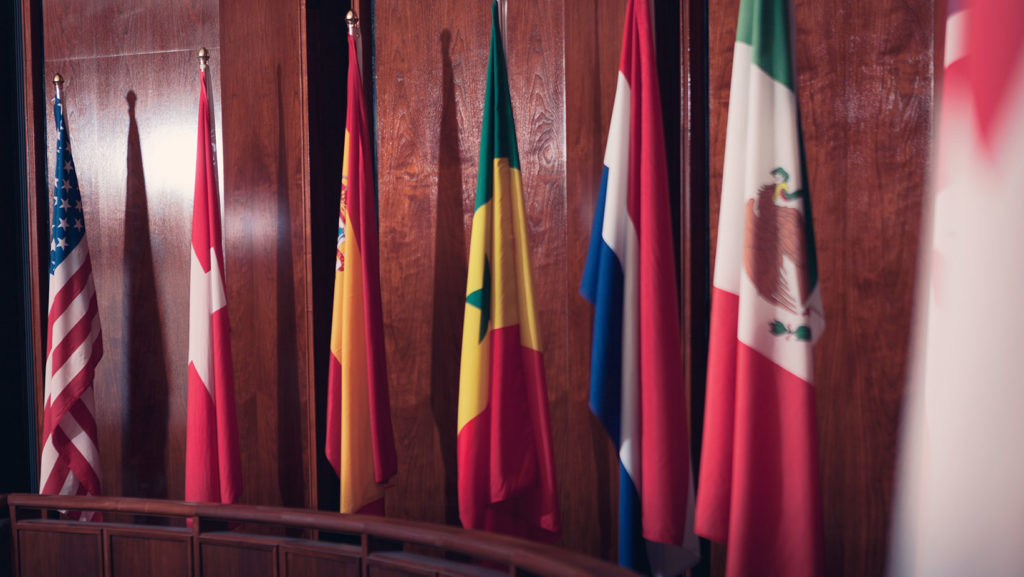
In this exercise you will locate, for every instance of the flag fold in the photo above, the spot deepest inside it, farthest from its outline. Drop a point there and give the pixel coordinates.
(759, 488)
(70, 461)
(636, 375)
(360, 442)
(212, 461)
(506, 473)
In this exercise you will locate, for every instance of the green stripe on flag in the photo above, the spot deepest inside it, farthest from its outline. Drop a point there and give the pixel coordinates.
(764, 25)
(498, 135)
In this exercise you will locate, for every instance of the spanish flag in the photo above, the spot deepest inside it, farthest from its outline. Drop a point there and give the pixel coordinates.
(360, 442)
(506, 463)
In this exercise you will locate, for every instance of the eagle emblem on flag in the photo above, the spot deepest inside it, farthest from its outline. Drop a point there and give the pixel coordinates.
(774, 252)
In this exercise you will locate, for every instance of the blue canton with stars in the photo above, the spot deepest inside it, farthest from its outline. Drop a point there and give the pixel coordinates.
(68, 221)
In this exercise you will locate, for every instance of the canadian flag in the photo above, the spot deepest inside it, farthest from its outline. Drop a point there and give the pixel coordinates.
(212, 463)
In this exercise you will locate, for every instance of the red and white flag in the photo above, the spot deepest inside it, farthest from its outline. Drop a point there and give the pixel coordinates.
(212, 464)
(959, 499)
(69, 464)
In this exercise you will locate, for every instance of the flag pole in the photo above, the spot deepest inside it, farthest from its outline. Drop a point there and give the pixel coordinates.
(354, 31)
(353, 23)
(204, 58)
(58, 85)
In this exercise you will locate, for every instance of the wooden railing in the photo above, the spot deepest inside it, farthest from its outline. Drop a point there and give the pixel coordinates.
(164, 538)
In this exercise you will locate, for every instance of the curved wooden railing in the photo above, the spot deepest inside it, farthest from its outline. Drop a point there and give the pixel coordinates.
(163, 538)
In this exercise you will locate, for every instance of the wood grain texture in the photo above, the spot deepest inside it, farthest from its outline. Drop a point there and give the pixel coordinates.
(430, 90)
(351, 541)
(266, 238)
(590, 509)
(149, 555)
(46, 553)
(132, 96)
(865, 87)
(131, 112)
(238, 559)
(428, 135)
(298, 564)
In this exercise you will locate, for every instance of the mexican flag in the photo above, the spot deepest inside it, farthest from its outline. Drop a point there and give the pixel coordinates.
(505, 455)
(759, 481)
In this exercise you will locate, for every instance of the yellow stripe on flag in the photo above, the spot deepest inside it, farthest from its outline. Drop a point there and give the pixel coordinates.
(348, 345)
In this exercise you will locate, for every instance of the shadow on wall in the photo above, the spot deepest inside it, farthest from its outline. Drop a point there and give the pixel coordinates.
(449, 281)
(146, 417)
(289, 415)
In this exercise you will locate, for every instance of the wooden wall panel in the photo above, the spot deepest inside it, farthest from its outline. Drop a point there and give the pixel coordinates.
(60, 554)
(865, 76)
(430, 91)
(267, 247)
(300, 564)
(131, 98)
(223, 559)
(430, 72)
(149, 555)
(591, 73)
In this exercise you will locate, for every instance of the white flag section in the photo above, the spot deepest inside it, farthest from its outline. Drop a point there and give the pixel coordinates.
(959, 506)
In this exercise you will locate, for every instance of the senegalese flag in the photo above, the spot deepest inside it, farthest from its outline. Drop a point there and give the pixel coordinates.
(759, 489)
(506, 463)
(360, 442)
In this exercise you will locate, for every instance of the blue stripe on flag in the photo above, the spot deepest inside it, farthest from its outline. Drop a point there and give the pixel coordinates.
(632, 547)
(602, 286)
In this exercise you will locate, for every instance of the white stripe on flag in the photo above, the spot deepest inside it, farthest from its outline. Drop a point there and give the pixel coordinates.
(66, 269)
(616, 158)
(75, 363)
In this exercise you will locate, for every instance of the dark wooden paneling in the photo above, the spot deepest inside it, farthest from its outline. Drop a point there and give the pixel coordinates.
(865, 88)
(593, 32)
(430, 92)
(104, 28)
(267, 247)
(300, 564)
(392, 571)
(42, 554)
(149, 555)
(235, 559)
(327, 101)
(430, 69)
(131, 97)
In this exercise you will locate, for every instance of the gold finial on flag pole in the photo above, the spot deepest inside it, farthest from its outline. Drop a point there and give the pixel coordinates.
(204, 58)
(353, 23)
(58, 84)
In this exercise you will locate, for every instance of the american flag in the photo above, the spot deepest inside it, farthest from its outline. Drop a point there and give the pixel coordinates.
(74, 345)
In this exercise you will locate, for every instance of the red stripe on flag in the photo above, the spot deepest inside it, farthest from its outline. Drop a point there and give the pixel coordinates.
(65, 296)
(205, 230)
(83, 415)
(76, 462)
(74, 338)
(515, 493)
(713, 498)
(58, 474)
(332, 444)
(760, 491)
(57, 407)
(230, 465)
(363, 217)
